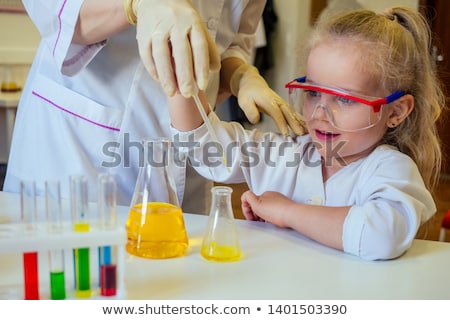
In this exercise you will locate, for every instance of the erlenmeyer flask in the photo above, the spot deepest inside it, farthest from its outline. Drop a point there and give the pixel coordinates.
(155, 224)
(220, 242)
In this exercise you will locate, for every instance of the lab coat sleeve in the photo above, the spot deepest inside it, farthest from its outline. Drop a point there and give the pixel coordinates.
(247, 154)
(244, 41)
(205, 154)
(56, 21)
(389, 210)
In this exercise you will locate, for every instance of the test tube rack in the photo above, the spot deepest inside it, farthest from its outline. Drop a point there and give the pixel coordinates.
(16, 239)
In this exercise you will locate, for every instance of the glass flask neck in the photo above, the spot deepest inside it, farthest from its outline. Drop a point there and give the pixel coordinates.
(156, 152)
(156, 182)
(221, 201)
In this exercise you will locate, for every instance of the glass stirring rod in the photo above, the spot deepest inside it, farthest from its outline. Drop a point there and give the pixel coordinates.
(211, 131)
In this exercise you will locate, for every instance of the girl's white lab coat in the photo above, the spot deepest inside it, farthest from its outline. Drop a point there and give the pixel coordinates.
(385, 189)
(84, 109)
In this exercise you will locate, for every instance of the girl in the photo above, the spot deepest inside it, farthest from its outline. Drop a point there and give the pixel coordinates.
(359, 181)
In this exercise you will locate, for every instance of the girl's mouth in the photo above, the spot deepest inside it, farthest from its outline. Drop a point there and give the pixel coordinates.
(325, 135)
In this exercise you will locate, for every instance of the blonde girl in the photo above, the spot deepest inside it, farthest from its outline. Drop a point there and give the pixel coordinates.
(360, 180)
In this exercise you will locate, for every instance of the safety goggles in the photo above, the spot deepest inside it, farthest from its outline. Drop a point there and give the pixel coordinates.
(345, 111)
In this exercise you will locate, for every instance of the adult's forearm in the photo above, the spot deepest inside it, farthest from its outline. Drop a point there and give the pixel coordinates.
(229, 66)
(98, 20)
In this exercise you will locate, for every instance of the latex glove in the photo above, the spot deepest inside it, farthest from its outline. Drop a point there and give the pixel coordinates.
(171, 34)
(254, 95)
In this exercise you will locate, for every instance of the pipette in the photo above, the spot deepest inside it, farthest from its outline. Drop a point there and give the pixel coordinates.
(211, 131)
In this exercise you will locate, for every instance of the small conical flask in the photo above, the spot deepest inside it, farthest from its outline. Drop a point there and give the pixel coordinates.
(155, 224)
(220, 242)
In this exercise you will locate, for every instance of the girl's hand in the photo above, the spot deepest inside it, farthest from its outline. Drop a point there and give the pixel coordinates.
(270, 206)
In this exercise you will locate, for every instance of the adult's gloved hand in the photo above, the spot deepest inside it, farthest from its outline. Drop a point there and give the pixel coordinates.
(254, 95)
(171, 34)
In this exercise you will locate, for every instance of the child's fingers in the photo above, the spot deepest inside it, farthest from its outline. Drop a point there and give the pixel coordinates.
(246, 199)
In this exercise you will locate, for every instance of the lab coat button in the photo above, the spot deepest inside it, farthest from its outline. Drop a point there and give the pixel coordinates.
(211, 24)
(317, 200)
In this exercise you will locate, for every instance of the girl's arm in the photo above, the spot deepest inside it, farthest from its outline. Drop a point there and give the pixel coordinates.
(319, 223)
(184, 113)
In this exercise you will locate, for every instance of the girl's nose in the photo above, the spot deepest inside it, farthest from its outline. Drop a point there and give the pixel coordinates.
(320, 112)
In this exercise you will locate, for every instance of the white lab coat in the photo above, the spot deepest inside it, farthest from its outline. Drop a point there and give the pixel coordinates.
(385, 189)
(84, 109)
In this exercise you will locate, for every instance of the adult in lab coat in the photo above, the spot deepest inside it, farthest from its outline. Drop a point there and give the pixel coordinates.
(89, 99)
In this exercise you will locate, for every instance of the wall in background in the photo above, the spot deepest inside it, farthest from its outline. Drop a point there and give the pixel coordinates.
(19, 39)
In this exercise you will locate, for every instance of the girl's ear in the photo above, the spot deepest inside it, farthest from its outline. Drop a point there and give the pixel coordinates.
(400, 110)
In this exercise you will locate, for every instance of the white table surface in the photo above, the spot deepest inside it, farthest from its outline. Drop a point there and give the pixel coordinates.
(276, 264)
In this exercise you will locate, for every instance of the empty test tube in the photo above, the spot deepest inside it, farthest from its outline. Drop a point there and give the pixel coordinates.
(107, 214)
(30, 259)
(54, 222)
(80, 221)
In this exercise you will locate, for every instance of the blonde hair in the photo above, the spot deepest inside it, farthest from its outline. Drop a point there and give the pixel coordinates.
(395, 49)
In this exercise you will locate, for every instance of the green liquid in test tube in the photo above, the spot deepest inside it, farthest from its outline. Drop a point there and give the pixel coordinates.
(80, 220)
(57, 285)
(54, 223)
(83, 274)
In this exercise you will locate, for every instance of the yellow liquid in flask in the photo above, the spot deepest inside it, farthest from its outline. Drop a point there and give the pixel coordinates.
(218, 253)
(156, 231)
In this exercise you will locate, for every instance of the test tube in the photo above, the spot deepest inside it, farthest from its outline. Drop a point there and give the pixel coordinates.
(56, 257)
(30, 259)
(107, 213)
(99, 221)
(80, 221)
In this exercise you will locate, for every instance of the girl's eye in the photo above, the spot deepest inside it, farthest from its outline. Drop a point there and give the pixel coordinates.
(312, 93)
(345, 101)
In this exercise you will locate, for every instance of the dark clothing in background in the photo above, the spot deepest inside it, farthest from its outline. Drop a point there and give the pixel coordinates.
(263, 58)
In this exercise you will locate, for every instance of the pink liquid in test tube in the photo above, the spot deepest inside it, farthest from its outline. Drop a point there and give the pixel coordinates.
(107, 207)
(108, 280)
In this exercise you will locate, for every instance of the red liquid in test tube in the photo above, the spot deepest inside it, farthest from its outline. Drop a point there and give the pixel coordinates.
(30, 259)
(31, 275)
